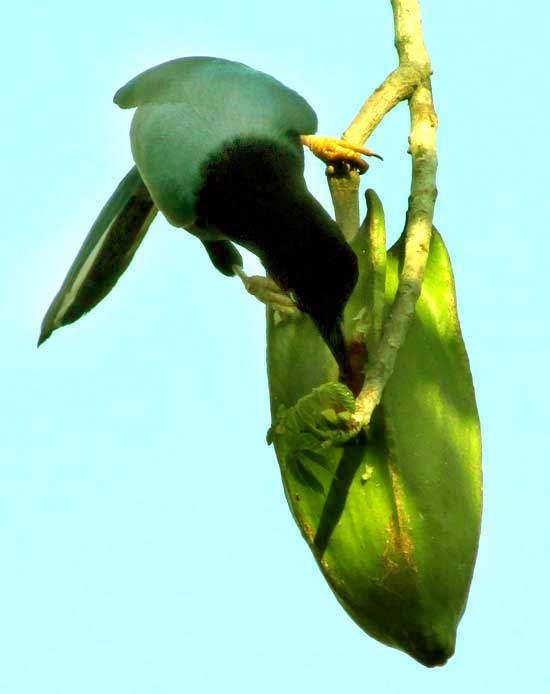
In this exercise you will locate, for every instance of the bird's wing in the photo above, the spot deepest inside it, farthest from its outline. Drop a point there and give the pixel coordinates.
(189, 108)
(105, 254)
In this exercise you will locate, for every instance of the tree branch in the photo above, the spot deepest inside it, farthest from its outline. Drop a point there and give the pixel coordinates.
(411, 80)
(398, 86)
(344, 185)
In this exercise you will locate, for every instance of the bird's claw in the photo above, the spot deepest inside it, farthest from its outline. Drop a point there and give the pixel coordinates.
(331, 150)
(268, 292)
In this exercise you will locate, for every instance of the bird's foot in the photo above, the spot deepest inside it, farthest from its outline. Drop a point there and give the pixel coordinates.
(268, 292)
(334, 151)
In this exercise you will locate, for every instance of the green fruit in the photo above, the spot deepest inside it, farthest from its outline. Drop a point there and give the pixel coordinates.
(392, 517)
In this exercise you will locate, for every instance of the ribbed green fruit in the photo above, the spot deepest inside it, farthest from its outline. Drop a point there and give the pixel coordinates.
(392, 517)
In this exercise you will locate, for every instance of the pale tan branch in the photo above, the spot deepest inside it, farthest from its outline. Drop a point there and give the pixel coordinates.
(412, 53)
(407, 23)
(398, 86)
(344, 187)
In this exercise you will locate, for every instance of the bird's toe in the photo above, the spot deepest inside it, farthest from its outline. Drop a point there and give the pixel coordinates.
(332, 151)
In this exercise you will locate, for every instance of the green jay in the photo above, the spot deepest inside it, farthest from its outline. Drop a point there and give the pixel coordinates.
(218, 149)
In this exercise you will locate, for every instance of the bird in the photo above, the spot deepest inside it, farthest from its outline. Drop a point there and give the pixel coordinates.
(219, 149)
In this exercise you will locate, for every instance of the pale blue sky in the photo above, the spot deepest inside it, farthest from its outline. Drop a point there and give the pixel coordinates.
(146, 543)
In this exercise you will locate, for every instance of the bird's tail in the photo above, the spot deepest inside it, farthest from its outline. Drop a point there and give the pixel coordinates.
(105, 254)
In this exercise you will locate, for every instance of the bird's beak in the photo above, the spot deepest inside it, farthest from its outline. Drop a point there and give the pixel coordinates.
(334, 338)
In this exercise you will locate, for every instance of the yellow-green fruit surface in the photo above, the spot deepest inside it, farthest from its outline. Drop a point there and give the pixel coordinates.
(393, 517)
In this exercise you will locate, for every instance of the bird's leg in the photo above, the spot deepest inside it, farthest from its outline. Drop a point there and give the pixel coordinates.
(334, 151)
(268, 292)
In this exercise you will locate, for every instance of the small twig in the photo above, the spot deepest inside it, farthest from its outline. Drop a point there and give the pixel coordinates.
(344, 190)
